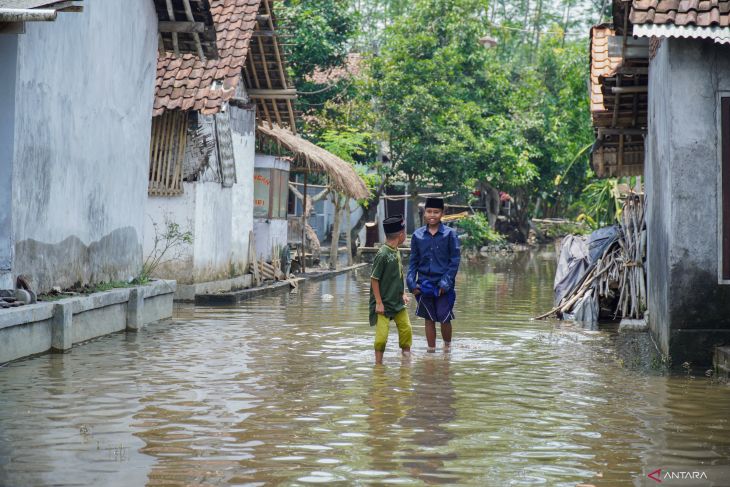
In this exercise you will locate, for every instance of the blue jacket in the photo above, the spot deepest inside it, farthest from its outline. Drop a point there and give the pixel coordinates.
(434, 258)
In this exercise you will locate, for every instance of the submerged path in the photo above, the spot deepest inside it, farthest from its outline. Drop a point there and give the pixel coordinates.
(281, 390)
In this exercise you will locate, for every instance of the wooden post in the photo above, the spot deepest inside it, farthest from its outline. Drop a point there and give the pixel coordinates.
(335, 245)
(304, 224)
(348, 231)
(253, 259)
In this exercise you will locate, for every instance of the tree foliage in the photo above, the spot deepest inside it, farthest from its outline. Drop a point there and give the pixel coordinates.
(446, 111)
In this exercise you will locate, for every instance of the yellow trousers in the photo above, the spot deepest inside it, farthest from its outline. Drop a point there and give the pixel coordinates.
(402, 322)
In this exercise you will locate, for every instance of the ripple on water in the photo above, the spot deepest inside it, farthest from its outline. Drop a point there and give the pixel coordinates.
(281, 390)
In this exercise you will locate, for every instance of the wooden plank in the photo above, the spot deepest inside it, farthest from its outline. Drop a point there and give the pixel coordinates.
(154, 142)
(182, 142)
(171, 14)
(180, 27)
(196, 37)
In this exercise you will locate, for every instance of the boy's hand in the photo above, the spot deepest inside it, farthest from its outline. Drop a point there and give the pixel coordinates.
(441, 291)
(417, 291)
(406, 299)
(379, 308)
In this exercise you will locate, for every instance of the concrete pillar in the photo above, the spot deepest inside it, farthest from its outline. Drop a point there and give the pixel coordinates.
(135, 306)
(8, 61)
(61, 331)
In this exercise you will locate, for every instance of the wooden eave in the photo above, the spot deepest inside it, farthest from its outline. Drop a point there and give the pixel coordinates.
(186, 27)
(265, 77)
(619, 101)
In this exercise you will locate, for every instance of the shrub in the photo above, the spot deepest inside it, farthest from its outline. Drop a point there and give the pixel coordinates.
(478, 232)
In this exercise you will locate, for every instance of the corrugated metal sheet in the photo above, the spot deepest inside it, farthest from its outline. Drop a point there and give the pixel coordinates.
(720, 35)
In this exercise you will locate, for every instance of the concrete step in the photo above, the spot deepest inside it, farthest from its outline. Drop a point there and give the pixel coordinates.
(722, 361)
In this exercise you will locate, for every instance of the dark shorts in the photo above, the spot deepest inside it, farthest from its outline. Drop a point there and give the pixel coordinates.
(438, 309)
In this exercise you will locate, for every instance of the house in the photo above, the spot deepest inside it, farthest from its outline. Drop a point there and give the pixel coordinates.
(660, 101)
(76, 99)
(201, 157)
(207, 180)
(76, 91)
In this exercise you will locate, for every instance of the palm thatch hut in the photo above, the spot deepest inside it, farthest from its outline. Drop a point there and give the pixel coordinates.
(312, 158)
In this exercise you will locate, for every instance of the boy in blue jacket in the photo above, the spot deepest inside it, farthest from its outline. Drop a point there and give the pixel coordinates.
(434, 262)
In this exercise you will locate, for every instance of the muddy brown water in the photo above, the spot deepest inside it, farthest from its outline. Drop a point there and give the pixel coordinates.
(282, 391)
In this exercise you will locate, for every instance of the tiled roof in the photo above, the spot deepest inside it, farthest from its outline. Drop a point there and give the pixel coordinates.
(189, 83)
(701, 13)
(602, 65)
(351, 67)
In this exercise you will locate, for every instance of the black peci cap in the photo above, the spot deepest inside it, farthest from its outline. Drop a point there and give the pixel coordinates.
(435, 203)
(393, 224)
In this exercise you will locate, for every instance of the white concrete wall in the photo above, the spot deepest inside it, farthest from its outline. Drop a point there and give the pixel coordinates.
(85, 86)
(221, 219)
(213, 216)
(205, 209)
(689, 311)
(243, 124)
(267, 234)
(180, 210)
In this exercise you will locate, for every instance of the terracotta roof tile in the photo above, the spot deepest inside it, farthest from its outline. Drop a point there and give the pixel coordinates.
(351, 67)
(601, 64)
(234, 22)
(701, 13)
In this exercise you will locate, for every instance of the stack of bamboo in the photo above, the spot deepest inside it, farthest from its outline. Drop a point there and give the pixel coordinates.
(620, 269)
(632, 300)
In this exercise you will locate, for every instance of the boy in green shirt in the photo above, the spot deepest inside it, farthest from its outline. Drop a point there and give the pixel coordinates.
(388, 299)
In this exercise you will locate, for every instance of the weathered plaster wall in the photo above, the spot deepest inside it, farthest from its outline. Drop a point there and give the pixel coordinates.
(177, 263)
(221, 219)
(243, 125)
(213, 213)
(82, 131)
(204, 208)
(8, 59)
(657, 181)
(690, 311)
(267, 234)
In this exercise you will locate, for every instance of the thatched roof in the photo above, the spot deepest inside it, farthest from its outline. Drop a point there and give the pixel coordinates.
(342, 175)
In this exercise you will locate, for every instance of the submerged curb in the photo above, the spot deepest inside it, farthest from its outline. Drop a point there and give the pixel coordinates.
(232, 297)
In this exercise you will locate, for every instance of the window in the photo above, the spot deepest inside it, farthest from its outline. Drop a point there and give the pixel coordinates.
(725, 161)
(271, 193)
(167, 149)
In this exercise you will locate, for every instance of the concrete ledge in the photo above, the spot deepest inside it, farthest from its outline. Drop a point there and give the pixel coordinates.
(628, 325)
(318, 276)
(275, 288)
(243, 294)
(58, 325)
(188, 292)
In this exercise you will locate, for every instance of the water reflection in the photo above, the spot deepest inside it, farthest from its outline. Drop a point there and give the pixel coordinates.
(430, 417)
(281, 390)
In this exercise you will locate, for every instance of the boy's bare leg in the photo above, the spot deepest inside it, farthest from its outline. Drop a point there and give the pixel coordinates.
(379, 357)
(431, 335)
(446, 335)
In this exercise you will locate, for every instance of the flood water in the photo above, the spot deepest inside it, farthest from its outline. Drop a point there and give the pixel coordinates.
(282, 391)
